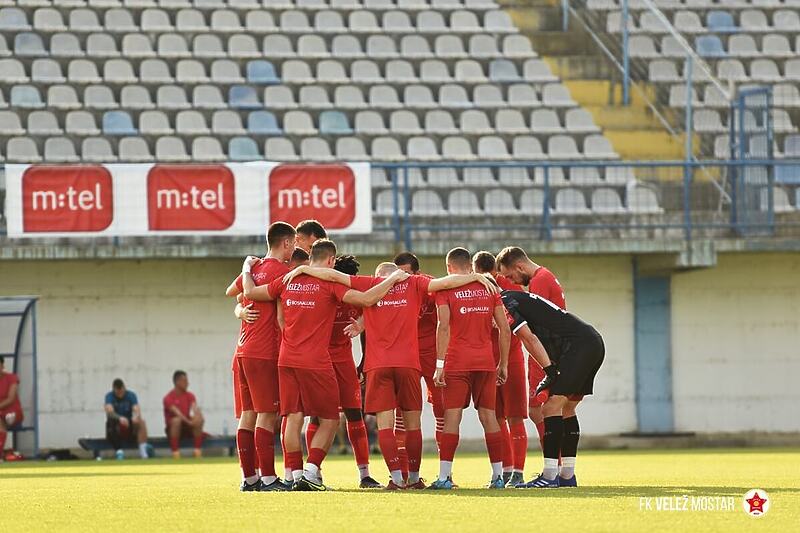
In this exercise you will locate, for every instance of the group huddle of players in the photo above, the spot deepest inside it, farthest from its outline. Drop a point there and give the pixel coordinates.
(463, 333)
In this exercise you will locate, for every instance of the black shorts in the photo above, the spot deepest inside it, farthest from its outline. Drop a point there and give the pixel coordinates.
(578, 365)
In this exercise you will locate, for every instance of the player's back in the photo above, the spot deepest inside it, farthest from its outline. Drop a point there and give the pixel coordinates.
(262, 338)
(545, 284)
(545, 318)
(471, 314)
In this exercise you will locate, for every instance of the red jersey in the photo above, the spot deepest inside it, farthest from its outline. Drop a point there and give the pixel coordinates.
(515, 355)
(545, 284)
(183, 401)
(6, 380)
(392, 334)
(309, 308)
(426, 325)
(261, 339)
(341, 347)
(471, 315)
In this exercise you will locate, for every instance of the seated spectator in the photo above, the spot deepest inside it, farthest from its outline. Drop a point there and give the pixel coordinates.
(124, 421)
(10, 408)
(182, 416)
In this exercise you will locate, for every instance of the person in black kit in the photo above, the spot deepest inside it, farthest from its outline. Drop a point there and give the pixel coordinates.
(570, 351)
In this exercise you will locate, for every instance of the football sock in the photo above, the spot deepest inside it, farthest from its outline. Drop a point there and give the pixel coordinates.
(553, 437)
(314, 462)
(287, 470)
(388, 446)
(311, 430)
(198, 442)
(414, 449)
(174, 444)
(494, 445)
(3, 441)
(508, 453)
(569, 446)
(246, 445)
(439, 429)
(294, 464)
(519, 445)
(357, 434)
(143, 450)
(265, 450)
(400, 437)
(540, 431)
(447, 451)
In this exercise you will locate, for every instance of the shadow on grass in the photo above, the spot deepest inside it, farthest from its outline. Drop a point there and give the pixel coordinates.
(56, 475)
(587, 492)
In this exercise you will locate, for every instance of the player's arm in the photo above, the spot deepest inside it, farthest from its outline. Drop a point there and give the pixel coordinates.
(279, 316)
(233, 289)
(355, 327)
(245, 312)
(110, 413)
(371, 297)
(136, 413)
(177, 412)
(325, 274)
(538, 352)
(453, 281)
(12, 395)
(251, 292)
(504, 340)
(442, 340)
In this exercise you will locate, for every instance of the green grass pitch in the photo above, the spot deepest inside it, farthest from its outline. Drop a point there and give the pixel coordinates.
(202, 495)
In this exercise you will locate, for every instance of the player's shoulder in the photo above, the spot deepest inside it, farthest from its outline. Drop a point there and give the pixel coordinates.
(272, 265)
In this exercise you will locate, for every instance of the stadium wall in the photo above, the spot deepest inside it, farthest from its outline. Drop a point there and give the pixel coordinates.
(142, 319)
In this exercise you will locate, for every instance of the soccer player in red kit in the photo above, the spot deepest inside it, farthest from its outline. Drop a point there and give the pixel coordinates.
(308, 383)
(255, 368)
(514, 263)
(465, 365)
(512, 396)
(10, 407)
(392, 364)
(309, 232)
(182, 416)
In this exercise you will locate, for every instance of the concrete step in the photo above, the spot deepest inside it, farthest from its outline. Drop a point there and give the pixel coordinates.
(617, 117)
(645, 144)
(581, 67)
(530, 20)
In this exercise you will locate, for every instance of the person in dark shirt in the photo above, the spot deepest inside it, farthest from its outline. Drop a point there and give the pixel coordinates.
(570, 351)
(124, 421)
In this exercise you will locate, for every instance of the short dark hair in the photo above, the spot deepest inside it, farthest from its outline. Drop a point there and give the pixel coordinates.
(459, 256)
(313, 228)
(278, 231)
(322, 249)
(407, 258)
(177, 375)
(299, 256)
(483, 262)
(118, 384)
(510, 255)
(347, 264)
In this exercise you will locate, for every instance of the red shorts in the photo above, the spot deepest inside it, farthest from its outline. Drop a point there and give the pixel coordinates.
(18, 418)
(313, 392)
(535, 375)
(481, 386)
(257, 385)
(434, 397)
(187, 431)
(512, 396)
(349, 386)
(391, 388)
(427, 361)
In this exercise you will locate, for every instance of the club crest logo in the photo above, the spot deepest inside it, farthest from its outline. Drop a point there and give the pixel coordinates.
(756, 503)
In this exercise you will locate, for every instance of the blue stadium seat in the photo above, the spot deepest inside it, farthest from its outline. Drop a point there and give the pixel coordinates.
(721, 22)
(709, 46)
(262, 72)
(334, 123)
(29, 44)
(263, 123)
(118, 123)
(788, 174)
(243, 97)
(243, 149)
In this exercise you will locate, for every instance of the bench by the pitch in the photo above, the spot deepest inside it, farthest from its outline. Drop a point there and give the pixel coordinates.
(96, 446)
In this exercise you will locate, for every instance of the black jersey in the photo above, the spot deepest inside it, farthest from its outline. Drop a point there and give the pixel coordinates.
(553, 326)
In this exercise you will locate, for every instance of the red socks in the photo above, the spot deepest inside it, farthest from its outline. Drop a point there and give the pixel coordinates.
(388, 445)
(447, 446)
(311, 430)
(519, 445)
(293, 460)
(508, 453)
(198, 441)
(357, 433)
(245, 442)
(414, 449)
(400, 437)
(316, 456)
(494, 445)
(174, 443)
(283, 445)
(439, 429)
(265, 448)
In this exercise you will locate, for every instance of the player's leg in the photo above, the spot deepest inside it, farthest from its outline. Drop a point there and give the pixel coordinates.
(197, 423)
(319, 396)
(292, 410)
(262, 375)
(174, 427)
(508, 452)
(535, 375)
(409, 399)
(141, 438)
(311, 430)
(435, 399)
(515, 409)
(553, 438)
(3, 434)
(265, 448)
(484, 397)
(113, 434)
(245, 432)
(400, 437)
(569, 443)
(357, 435)
(388, 445)
(448, 444)
(519, 447)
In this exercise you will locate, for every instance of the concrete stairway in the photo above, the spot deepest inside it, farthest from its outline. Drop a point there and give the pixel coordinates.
(635, 132)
